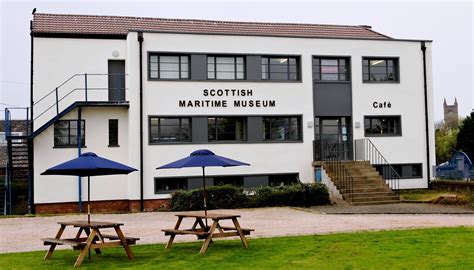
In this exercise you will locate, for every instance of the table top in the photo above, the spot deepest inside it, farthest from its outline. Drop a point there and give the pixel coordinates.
(92, 224)
(209, 215)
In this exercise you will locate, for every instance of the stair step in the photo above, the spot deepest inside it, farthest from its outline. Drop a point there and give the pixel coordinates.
(375, 202)
(375, 199)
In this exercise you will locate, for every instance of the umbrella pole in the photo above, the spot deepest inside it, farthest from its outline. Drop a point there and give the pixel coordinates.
(205, 192)
(89, 205)
(88, 200)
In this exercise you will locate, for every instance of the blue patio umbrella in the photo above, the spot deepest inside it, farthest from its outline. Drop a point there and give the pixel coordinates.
(203, 158)
(89, 164)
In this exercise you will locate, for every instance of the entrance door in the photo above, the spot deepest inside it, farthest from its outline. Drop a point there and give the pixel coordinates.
(332, 138)
(116, 80)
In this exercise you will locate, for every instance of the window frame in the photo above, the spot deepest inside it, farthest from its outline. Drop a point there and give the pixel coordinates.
(179, 179)
(69, 145)
(269, 57)
(299, 119)
(217, 140)
(159, 54)
(396, 62)
(399, 134)
(150, 140)
(348, 67)
(379, 168)
(215, 56)
(116, 133)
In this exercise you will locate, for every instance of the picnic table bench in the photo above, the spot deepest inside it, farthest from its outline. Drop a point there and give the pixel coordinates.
(94, 239)
(206, 232)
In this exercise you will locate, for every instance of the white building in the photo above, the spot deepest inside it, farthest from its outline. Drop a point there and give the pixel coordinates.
(277, 96)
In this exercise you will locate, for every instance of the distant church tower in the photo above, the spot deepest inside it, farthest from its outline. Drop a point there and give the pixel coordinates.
(451, 117)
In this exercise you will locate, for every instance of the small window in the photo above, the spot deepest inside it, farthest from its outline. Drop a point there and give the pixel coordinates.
(382, 125)
(380, 69)
(113, 132)
(282, 179)
(168, 185)
(281, 128)
(65, 133)
(227, 129)
(280, 68)
(236, 181)
(330, 69)
(403, 170)
(174, 67)
(168, 129)
(225, 68)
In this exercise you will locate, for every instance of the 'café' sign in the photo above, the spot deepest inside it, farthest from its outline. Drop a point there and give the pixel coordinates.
(242, 101)
(381, 105)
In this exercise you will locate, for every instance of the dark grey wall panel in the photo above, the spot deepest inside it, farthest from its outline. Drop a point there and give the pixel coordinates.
(332, 99)
(254, 129)
(198, 67)
(199, 129)
(255, 181)
(254, 67)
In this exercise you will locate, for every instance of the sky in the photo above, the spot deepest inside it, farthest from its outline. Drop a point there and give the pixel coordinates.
(448, 23)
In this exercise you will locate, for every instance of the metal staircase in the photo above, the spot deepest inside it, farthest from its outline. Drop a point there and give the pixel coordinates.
(16, 191)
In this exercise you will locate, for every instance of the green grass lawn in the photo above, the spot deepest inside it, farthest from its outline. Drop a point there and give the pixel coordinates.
(427, 196)
(440, 248)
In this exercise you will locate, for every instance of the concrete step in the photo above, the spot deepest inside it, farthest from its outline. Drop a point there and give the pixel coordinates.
(374, 194)
(375, 202)
(374, 199)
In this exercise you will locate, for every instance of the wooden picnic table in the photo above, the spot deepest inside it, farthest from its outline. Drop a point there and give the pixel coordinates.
(94, 239)
(208, 233)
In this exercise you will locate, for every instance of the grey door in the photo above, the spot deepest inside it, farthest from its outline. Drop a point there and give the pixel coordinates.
(116, 80)
(332, 138)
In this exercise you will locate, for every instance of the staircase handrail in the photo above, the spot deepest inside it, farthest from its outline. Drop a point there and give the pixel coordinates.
(375, 157)
(341, 175)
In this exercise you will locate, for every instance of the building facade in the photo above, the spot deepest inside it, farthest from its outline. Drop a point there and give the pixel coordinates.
(146, 92)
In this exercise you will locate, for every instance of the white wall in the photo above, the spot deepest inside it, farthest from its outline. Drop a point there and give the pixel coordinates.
(57, 59)
(49, 188)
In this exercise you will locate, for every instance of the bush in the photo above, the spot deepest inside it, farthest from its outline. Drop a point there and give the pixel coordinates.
(229, 197)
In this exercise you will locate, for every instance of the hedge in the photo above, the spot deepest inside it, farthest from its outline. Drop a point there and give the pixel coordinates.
(229, 197)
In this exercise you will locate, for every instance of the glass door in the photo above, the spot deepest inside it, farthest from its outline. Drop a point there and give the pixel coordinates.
(332, 138)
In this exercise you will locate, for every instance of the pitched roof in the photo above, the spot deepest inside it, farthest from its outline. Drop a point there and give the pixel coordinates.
(120, 26)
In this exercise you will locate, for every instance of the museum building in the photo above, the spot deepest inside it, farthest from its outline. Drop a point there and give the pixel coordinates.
(283, 97)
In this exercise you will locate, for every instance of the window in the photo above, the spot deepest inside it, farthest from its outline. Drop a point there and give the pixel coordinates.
(227, 129)
(282, 179)
(380, 69)
(65, 133)
(330, 69)
(225, 68)
(113, 132)
(403, 170)
(280, 68)
(236, 181)
(382, 125)
(169, 67)
(168, 185)
(168, 129)
(281, 128)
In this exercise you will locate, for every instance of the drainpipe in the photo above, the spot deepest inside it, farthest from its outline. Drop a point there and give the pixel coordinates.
(31, 206)
(140, 43)
(79, 150)
(428, 166)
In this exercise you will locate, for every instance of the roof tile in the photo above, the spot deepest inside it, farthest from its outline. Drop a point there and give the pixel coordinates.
(119, 25)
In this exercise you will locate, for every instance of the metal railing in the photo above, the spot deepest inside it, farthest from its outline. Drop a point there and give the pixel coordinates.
(331, 156)
(365, 150)
(57, 97)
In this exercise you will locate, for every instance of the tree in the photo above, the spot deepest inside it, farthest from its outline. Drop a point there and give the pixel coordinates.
(445, 140)
(465, 140)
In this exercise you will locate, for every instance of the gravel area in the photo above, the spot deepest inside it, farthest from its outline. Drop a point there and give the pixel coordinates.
(399, 208)
(24, 234)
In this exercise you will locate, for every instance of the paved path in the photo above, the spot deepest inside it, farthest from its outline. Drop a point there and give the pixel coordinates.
(24, 234)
